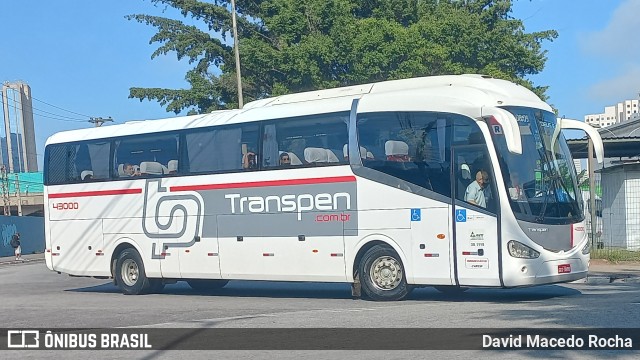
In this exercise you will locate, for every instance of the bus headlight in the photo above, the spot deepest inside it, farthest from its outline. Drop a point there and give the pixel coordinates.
(586, 249)
(522, 251)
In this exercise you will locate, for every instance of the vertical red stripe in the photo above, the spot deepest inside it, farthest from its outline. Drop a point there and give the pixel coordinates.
(571, 229)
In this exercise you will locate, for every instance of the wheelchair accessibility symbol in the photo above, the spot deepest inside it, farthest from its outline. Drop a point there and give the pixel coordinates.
(461, 215)
(415, 215)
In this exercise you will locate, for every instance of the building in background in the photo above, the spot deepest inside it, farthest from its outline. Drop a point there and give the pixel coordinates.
(18, 141)
(623, 111)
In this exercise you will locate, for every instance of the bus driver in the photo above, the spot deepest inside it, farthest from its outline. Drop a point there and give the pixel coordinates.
(475, 193)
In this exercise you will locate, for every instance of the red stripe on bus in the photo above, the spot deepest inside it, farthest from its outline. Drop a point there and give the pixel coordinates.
(95, 193)
(571, 232)
(326, 180)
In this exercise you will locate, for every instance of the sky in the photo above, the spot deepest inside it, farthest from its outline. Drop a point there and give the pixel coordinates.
(81, 57)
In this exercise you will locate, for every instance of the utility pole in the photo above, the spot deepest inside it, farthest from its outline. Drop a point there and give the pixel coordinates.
(98, 121)
(4, 186)
(237, 53)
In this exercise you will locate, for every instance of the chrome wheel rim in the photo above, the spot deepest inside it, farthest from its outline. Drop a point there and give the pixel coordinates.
(130, 272)
(386, 273)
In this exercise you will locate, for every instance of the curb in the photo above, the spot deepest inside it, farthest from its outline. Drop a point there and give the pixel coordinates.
(13, 262)
(608, 279)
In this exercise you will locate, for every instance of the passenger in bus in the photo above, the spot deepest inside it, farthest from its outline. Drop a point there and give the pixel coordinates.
(285, 159)
(516, 191)
(249, 160)
(131, 170)
(475, 193)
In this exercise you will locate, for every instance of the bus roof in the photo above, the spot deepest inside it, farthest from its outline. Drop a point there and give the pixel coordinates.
(464, 94)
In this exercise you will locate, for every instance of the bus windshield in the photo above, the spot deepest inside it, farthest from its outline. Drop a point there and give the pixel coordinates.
(541, 182)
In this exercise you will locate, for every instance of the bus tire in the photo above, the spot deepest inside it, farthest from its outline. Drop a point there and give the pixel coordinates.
(130, 273)
(450, 289)
(206, 284)
(382, 275)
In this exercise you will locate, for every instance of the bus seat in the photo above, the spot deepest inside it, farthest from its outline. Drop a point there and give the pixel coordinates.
(465, 172)
(363, 152)
(150, 168)
(172, 166)
(165, 170)
(315, 155)
(331, 156)
(396, 150)
(295, 160)
(319, 155)
(121, 170)
(86, 173)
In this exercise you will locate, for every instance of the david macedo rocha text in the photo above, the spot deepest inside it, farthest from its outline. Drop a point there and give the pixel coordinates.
(541, 341)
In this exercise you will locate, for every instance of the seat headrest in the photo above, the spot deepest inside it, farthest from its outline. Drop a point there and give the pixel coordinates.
(121, 170)
(151, 168)
(86, 173)
(295, 160)
(316, 155)
(466, 171)
(394, 147)
(363, 152)
(172, 166)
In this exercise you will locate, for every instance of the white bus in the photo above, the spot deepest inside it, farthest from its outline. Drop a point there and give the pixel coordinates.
(376, 185)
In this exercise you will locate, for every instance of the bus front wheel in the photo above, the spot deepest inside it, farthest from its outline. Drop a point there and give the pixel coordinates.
(382, 275)
(130, 273)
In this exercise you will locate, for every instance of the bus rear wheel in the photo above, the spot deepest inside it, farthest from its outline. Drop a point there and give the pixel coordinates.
(130, 273)
(382, 275)
(206, 284)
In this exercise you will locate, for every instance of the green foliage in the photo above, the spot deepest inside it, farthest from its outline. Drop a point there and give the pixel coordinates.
(291, 46)
(615, 255)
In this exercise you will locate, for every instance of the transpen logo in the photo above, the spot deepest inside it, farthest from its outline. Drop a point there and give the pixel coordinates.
(288, 203)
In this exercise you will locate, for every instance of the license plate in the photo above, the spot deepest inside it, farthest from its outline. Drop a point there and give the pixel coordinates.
(564, 269)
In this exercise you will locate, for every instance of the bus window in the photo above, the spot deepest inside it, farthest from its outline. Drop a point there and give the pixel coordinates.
(310, 140)
(68, 162)
(220, 149)
(145, 155)
(411, 146)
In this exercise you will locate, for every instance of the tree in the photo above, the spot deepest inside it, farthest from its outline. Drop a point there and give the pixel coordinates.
(291, 46)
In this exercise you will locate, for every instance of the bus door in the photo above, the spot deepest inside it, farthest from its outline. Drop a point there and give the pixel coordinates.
(475, 226)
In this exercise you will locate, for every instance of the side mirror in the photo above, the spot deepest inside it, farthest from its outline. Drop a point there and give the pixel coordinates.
(504, 123)
(598, 146)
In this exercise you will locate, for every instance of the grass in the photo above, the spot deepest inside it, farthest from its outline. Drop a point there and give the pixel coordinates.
(615, 255)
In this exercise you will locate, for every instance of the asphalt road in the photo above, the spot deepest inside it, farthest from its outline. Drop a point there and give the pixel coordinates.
(34, 297)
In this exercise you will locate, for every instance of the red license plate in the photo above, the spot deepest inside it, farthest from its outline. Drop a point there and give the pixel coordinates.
(564, 269)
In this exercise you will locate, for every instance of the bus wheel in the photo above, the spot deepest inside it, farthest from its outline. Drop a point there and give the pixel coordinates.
(206, 284)
(451, 289)
(130, 273)
(382, 275)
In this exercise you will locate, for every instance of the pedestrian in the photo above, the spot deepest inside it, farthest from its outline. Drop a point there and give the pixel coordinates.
(15, 244)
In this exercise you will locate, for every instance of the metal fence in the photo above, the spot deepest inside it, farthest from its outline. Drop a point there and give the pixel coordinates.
(616, 233)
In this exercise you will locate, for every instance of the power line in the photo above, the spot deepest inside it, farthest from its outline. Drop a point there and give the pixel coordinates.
(58, 116)
(57, 107)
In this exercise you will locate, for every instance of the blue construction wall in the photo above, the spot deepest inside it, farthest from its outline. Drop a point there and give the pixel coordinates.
(31, 229)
